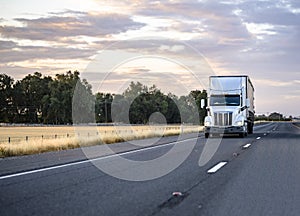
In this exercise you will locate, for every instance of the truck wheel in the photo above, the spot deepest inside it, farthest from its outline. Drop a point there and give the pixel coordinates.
(251, 129)
(206, 135)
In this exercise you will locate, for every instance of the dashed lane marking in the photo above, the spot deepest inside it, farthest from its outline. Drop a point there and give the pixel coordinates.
(247, 146)
(215, 168)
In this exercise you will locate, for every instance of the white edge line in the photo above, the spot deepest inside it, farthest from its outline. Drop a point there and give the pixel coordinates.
(90, 160)
(217, 167)
(247, 146)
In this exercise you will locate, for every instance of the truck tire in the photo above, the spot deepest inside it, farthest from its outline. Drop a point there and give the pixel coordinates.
(242, 135)
(250, 128)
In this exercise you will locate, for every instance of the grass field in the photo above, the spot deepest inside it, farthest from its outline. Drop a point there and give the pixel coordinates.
(30, 140)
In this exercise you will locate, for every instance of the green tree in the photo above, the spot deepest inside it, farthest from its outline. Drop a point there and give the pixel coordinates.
(173, 114)
(198, 96)
(120, 109)
(61, 94)
(28, 97)
(83, 103)
(43, 99)
(188, 110)
(103, 107)
(144, 101)
(134, 90)
(6, 93)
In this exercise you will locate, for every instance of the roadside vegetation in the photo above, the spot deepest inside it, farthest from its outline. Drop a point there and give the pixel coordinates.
(28, 140)
(273, 117)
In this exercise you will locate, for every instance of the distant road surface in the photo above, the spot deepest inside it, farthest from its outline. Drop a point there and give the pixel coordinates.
(256, 175)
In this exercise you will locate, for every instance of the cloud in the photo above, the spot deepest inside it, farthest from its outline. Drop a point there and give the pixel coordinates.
(214, 18)
(12, 52)
(17, 72)
(61, 35)
(291, 97)
(137, 70)
(217, 31)
(70, 24)
(114, 82)
(7, 45)
(274, 83)
(272, 12)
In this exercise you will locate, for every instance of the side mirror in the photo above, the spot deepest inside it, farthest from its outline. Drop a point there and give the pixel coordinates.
(202, 105)
(247, 105)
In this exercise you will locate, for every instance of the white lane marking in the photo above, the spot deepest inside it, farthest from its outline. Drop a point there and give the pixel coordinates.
(43, 169)
(258, 138)
(247, 146)
(217, 167)
(90, 160)
(263, 125)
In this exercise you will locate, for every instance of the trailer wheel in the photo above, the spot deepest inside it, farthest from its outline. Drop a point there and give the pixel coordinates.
(251, 129)
(242, 135)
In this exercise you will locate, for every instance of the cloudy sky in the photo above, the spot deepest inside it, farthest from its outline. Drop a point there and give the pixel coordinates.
(175, 45)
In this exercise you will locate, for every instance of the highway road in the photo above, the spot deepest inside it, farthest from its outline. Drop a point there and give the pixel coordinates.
(256, 175)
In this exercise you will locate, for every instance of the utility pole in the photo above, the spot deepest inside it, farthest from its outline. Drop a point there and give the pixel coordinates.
(105, 103)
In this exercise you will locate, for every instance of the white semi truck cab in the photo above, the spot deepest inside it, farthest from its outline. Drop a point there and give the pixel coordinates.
(230, 106)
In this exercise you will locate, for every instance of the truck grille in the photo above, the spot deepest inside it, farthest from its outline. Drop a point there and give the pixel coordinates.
(223, 118)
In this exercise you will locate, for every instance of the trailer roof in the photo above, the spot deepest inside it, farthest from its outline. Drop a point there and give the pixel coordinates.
(231, 76)
(234, 76)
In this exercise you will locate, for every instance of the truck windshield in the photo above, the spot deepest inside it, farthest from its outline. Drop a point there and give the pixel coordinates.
(225, 100)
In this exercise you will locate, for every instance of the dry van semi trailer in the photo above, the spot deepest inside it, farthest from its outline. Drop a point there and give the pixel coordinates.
(230, 106)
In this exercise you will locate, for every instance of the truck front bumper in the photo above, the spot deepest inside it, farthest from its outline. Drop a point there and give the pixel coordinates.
(225, 130)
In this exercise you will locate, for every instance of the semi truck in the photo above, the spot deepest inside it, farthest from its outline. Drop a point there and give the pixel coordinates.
(230, 106)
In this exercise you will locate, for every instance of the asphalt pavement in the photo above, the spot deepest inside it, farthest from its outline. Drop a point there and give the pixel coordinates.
(256, 175)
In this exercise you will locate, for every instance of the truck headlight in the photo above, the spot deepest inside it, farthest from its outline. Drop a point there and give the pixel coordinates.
(240, 123)
(207, 123)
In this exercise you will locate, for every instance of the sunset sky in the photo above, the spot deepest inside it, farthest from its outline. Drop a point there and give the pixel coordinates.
(175, 45)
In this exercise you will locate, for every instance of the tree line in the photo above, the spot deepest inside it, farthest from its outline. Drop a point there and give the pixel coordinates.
(274, 116)
(39, 99)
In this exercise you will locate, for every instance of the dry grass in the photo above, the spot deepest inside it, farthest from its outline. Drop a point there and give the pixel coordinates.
(69, 137)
